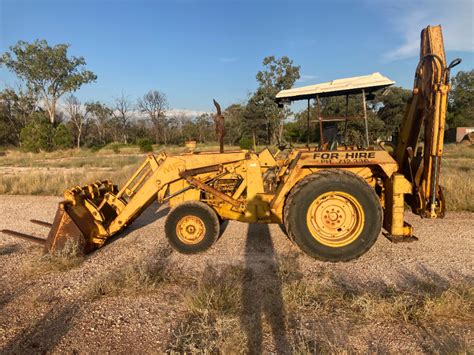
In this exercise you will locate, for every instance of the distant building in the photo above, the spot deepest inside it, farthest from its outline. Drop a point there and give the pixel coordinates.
(457, 135)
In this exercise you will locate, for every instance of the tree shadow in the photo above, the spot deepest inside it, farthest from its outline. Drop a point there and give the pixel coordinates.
(262, 292)
(45, 333)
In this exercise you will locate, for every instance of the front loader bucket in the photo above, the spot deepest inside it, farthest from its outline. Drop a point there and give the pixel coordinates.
(73, 228)
(73, 231)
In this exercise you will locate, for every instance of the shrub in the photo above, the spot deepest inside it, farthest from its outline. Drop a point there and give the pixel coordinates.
(245, 143)
(62, 137)
(145, 145)
(37, 135)
(115, 147)
(94, 148)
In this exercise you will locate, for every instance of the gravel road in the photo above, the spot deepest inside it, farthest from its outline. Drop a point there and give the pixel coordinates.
(50, 312)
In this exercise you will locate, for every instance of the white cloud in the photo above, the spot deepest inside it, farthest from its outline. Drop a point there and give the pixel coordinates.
(455, 17)
(304, 78)
(184, 112)
(135, 114)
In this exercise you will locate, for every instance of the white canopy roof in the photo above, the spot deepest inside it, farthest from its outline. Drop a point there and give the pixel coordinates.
(337, 87)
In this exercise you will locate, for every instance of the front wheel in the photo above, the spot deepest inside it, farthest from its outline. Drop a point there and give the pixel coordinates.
(333, 215)
(192, 227)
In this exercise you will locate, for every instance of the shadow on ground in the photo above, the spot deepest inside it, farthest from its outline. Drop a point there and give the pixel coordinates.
(262, 292)
(151, 214)
(42, 336)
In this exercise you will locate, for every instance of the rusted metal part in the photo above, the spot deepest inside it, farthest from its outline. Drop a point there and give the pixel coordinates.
(73, 226)
(202, 186)
(41, 223)
(220, 126)
(30, 238)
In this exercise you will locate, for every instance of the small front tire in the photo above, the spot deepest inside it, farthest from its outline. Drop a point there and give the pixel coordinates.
(192, 227)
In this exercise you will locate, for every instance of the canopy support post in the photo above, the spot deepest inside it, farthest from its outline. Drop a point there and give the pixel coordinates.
(347, 120)
(365, 120)
(308, 127)
(321, 134)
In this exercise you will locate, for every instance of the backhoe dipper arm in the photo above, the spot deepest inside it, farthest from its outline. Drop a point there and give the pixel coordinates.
(426, 108)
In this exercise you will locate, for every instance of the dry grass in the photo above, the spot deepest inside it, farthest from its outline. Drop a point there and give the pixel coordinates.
(63, 260)
(139, 277)
(322, 311)
(383, 303)
(55, 182)
(211, 323)
(457, 177)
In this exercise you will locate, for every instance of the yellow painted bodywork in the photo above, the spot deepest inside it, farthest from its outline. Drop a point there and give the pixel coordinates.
(233, 185)
(426, 111)
(335, 219)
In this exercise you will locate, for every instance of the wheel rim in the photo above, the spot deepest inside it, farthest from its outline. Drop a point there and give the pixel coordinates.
(190, 230)
(335, 219)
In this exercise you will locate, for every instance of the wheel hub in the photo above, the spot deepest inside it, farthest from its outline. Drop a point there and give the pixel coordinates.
(335, 219)
(190, 230)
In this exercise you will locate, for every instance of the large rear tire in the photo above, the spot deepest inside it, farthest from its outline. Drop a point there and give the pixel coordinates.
(192, 227)
(333, 215)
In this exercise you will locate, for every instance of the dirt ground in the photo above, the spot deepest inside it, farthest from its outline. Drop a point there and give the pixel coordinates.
(52, 311)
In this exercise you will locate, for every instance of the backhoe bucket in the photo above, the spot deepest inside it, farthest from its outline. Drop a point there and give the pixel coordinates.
(73, 230)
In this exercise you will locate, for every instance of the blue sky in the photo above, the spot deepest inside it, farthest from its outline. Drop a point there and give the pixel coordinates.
(194, 51)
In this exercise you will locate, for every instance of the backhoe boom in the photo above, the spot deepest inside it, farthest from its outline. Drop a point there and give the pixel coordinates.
(426, 110)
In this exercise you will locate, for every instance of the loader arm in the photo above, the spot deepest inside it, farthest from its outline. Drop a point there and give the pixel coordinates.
(426, 110)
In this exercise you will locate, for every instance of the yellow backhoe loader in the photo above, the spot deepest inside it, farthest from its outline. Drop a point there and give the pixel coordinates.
(333, 199)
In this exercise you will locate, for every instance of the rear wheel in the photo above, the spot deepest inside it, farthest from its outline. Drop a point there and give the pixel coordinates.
(333, 215)
(192, 227)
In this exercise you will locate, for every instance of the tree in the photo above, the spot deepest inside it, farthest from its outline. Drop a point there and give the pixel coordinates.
(37, 135)
(62, 137)
(47, 70)
(16, 108)
(256, 121)
(77, 118)
(204, 125)
(234, 123)
(122, 114)
(101, 115)
(461, 100)
(391, 106)
(277, 75)
(154, 104)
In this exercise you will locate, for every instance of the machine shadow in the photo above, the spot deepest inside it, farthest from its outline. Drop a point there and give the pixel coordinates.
(153, 213)
(262, 292)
